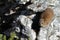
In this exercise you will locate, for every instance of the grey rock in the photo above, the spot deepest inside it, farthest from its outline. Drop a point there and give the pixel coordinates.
(52, 32)
(27, 22)
(34, 7)
(22, 1)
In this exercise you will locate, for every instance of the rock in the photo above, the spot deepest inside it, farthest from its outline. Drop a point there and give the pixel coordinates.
(24, 13)
(38, 7)
(17, 29)
(30, 33)
(22, 1)
(57, 11)
(43, 31)
(53, 2)
(27, 22)
(38, 1)
(51, 32)
(11, 12)
(31, 16)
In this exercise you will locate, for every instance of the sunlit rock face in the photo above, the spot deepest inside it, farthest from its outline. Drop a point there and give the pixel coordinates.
(22, 1)
(22, 24)
(38, 7)
(51, 32)
(43, 4)
(27, 22)
(57, 10)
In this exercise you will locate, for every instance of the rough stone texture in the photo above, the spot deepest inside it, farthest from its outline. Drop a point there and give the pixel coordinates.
(22, 1)
(53, 31)
(27, 22)
(38, 6)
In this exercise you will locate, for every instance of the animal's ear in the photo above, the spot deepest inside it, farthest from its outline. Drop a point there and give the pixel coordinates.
(47, 17)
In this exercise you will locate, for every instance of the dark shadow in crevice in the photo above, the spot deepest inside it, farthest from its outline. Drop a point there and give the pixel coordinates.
(36, 26)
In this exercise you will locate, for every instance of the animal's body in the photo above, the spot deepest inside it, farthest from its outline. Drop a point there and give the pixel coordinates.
(46, 17)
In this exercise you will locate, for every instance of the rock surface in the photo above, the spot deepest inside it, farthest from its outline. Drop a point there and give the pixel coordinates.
(22, 24)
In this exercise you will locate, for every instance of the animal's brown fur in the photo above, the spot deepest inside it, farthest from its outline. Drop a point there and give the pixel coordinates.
(46, 17)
